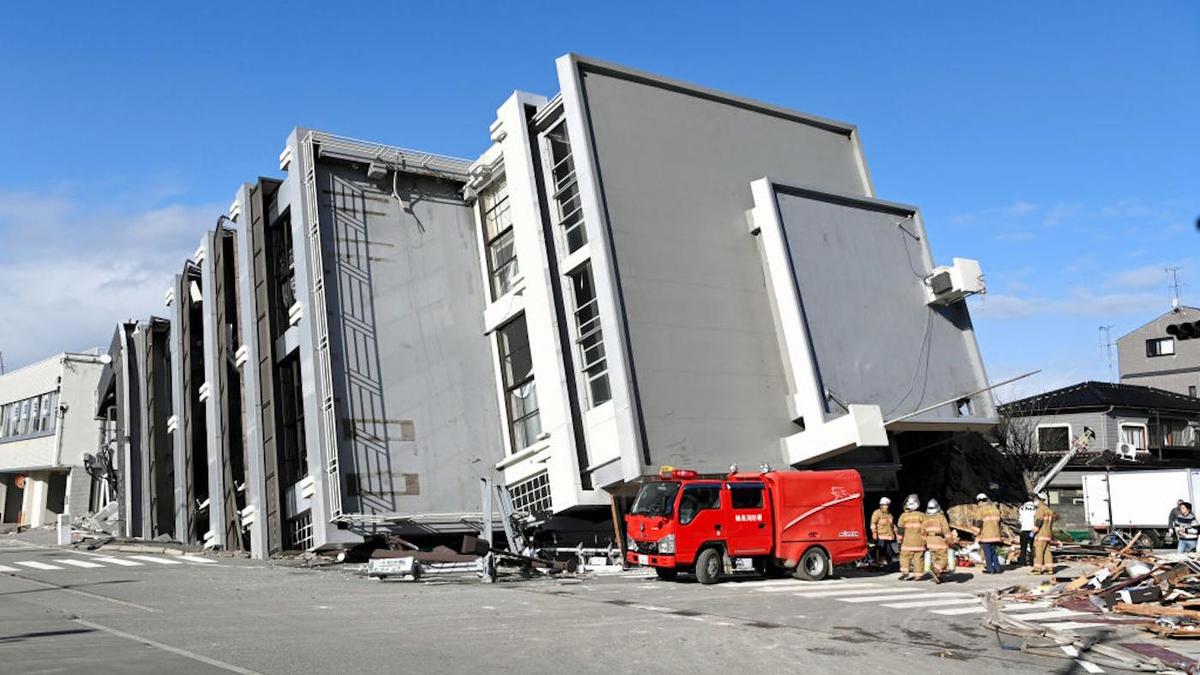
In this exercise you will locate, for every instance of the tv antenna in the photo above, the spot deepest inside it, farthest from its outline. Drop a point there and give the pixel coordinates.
(1174, 285)
(1106, 346)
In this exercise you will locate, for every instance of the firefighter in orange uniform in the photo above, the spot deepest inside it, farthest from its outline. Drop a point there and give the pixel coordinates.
(912, 540)
(1043, 519)
(883, 531)
(989, 536)
(937, 531)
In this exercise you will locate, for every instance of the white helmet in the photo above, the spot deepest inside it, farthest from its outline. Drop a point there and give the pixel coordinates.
(932, 507)
(884, 501)
(912, 503)
(981, 497)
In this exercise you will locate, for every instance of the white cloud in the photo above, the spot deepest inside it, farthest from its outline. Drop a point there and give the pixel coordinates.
(1061, 212)
(1079, 302)
(69, 272)
(1019, 209)
(1147, 276)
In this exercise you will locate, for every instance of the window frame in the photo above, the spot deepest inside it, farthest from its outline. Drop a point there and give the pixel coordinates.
(1038, 435)
(700, 508)
(1145, 447)
(500, 206)
(510, 385)
(563, 190)
(589, 337)
(1153, 347)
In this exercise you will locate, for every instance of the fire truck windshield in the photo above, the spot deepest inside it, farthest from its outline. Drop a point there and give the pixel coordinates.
(655, 499)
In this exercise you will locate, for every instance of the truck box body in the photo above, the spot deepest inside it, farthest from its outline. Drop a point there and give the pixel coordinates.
(773, 518)
(818, 507)
(1140, 499)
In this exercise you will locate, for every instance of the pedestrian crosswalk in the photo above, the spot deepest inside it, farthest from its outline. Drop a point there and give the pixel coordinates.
(61, 563)
(946, 600)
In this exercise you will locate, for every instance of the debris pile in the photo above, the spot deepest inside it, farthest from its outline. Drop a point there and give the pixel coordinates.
(1160, 593)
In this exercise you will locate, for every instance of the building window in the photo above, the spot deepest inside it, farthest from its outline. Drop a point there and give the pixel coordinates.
(593, 365)
(1160, 347)
(1134, 435)
(1053, 439)
(520, 391)
(28, 417)
(498, 236)
(1192, 390)
(565, 188)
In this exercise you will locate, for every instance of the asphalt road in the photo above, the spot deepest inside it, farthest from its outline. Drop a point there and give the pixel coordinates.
(64, 611)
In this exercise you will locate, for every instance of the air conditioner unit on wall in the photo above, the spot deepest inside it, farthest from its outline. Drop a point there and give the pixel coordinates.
(1126, 451)
(948, 284)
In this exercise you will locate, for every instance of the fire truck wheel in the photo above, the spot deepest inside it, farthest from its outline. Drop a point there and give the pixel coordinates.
(813, 565)
(666, 573)
(708, 566)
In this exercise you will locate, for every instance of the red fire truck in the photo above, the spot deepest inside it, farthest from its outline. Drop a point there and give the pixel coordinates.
(799, 521)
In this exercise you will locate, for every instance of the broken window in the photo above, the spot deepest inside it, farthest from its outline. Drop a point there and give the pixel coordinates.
(564, 188)
(283, 256)
(293, 454)
(590, 339)
(520, 390)
(1053, 439)
(498, 235)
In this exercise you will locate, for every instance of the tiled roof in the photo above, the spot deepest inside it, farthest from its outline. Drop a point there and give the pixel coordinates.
(1097, 395)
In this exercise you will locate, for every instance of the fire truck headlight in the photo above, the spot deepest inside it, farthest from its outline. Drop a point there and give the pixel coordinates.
(666, 545)
(630, 544)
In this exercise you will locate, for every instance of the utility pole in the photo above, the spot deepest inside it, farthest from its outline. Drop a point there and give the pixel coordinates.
(1174, 286)
(1106, 346)
(1, 363)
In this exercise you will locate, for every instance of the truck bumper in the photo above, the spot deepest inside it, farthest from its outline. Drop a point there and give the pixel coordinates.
(650, 560)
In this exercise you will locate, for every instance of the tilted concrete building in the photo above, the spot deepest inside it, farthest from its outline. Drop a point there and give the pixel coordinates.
(636, 272)
(682, 276)
(134, 404)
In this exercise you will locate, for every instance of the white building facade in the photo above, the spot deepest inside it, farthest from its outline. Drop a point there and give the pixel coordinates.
(46, 428)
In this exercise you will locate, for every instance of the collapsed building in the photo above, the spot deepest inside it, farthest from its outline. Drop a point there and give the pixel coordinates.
(636, 272)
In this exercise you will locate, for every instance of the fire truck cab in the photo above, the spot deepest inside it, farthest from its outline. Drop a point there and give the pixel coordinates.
(799, 521)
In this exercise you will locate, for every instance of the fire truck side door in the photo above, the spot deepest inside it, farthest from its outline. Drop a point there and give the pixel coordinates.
(750, 530)
(701, 519)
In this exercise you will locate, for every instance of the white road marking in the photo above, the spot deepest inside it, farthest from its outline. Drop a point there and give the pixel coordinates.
(8, 569)
(905, 595)
(76, 563)
(960, 610)
(1089, 666)
(198, 559)
(1052, 614)
(121, 562)
(168, 648)
(821, 589)
(36, 565)
(153, 559)
(789, 582)
(834, 594)
(1071, 625)
(932, 603)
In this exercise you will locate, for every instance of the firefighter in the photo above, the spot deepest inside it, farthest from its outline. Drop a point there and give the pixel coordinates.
(937, 531)
(912, 540)
(1043, 518)
(989, 533)
(883, 531)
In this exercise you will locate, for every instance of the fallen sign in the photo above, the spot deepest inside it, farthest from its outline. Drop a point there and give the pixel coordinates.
(383, 568)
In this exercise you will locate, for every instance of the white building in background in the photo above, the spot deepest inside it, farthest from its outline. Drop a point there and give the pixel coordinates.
(46, 427)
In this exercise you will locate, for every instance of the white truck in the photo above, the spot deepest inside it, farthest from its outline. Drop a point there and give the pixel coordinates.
(1138, 500)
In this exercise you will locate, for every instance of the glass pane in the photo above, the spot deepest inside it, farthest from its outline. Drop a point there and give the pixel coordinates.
(514, 350)
(598, 390)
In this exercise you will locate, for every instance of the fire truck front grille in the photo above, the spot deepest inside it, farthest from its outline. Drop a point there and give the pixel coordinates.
(645, 546)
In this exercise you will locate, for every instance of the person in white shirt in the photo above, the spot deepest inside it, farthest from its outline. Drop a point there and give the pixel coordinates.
(1027, 528)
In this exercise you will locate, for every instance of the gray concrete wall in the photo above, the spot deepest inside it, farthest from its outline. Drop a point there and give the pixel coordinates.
(413, 375)
(675, 165)
(860, 268)
(1174, 373)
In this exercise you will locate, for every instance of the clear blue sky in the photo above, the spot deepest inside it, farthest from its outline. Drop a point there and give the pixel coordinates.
(1056, 142)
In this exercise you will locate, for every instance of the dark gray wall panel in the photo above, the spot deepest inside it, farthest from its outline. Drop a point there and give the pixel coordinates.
(676, 171)
(861, 282)
(413, 374)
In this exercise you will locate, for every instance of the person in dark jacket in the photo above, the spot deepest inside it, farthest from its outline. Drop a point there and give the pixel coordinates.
(1186, 529)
